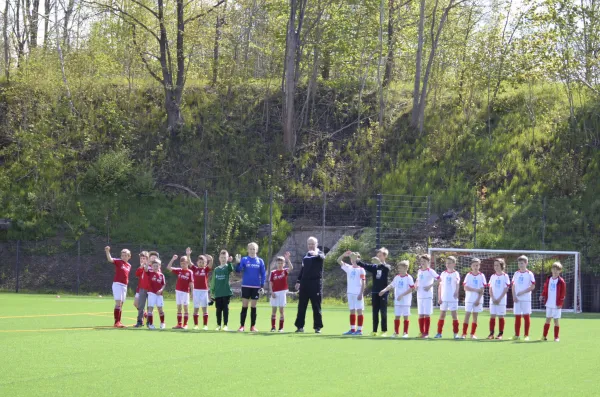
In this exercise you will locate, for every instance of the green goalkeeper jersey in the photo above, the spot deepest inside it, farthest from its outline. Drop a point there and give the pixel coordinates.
(219, 286)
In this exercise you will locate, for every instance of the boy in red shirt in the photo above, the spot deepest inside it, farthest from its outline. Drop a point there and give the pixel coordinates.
(553, 296)
(200, 297)
(279, 289)
(119, 286)
(183, 288)
(156, 285)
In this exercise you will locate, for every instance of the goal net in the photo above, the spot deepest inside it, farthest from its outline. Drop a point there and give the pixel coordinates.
(540, 263)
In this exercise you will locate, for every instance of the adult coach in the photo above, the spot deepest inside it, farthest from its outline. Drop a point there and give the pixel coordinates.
(310, 285)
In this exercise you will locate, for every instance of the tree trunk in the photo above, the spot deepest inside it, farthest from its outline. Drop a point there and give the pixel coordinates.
(68, 14)
(33, 25)
(47, 10)
(379, 62)
(62, 63)
(415, 111)
(6, 43)
(289, 133)
(218, 26)
(391, 42)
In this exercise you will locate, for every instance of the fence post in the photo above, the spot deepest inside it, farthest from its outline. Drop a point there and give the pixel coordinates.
(428, 218)
(18, 264)
(544, 224)
(79, 262)
(270, 255)
(324, 215)
(475, 221)
(378, 222)
(205, 221)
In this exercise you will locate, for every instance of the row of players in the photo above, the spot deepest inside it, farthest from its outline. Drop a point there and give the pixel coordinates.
(448, 283)
(194, 280)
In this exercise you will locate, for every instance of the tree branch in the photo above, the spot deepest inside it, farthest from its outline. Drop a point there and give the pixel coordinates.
(181, 187)
(202, 14)
(144, 60)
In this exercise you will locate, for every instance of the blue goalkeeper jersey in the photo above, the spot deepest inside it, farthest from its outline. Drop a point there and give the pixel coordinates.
(254, 273)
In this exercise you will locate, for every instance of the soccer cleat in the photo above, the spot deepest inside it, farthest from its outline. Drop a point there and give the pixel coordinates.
(526, 339)
(456, 336)
(185, 327)
(225, 328)
(384, 335)
(351, 332)
(516, 337)
(543, 338)
(500, 336)
(299, 330)
(405, 336)
(253, 329)
(317, 330)
(438, 336)
(241, 329)
(273, 329)
(420, 335)
(280, 330)
(473, 336)
(358, 333)
(205, 328)
(218, 328)
(556, 340)
(138, 325)
(395, 335)
(373, 334)
(491, 336)
(196, 328)
(151, 326)
(425, 336)
(178, 326)
(162, 326)
(463, 336)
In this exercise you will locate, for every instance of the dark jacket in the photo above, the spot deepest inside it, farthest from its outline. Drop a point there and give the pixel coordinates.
(312, 268)
(380, 274)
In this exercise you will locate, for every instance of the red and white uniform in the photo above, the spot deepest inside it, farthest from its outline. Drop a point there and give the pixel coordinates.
(355, 276)
(474, 281)
(497, 285)
(121, 279)
(279, 287)
(425, 278)
(143, 282)
(156, 282)
(520, 282)
(185, 278)
(449, 282)
(402, 284)
(201, 275)
(554, 292)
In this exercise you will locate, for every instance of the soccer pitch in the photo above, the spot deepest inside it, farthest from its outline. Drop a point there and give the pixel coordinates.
(66, 346)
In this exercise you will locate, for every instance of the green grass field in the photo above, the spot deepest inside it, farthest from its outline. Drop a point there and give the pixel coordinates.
(65, 346)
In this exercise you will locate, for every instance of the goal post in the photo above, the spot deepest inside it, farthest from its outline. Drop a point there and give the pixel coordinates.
(540, 263)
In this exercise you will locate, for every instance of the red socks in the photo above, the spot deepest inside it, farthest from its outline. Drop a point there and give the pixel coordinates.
(397, 326)
(360, 320)
(185, 319)
(178, 318)
(353, 321)
(422, 325)
(427, 324)
(196, 319)
(473, 328)
(406, 326)
(205, 319)
(556, 330)
(546, 329)
(517, 325)
(117, 315)
(492, 325)
(280, 323)
(455, 326)
(527, 324)
(273, 319)
(502, 325)
(150, 319)
(440, 326)
(162, 318)
(465, 328)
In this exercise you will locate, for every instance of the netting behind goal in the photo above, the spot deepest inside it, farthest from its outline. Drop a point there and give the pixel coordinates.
(540, 263)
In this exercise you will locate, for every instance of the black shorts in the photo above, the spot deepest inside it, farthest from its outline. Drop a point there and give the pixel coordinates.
(250, 293)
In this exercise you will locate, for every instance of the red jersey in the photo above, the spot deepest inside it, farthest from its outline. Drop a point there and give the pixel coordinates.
(184, 279)
(122, 270)
(144, 282)
(156, 281)
(201, 275)
(279, 280)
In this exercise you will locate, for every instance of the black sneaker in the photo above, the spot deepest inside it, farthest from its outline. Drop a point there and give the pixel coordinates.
(273, 329)
(138, 325)
(317, 330)
(300, 330)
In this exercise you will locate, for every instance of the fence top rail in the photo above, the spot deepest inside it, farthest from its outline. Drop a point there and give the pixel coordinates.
(504, 251)
(401, 195)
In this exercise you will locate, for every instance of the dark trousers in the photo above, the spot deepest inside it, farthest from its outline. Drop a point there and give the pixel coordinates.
(222, 304)
(143, 296)
(310, 291)
(379, 304)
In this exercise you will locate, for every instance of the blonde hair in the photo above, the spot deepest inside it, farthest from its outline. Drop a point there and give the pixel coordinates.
(523, 258)
(384, 251)
(204, 258)
(253, 244)
(126, 251)
(184, 258)
(157, 261)
(475, 260)
(451, 259)
(311, 238)
(502, 262)
(558, 266)
(403, 263)
(144, 254)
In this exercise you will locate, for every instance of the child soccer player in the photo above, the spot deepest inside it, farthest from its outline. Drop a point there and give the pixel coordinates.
(553, 296)
(201, 274)
(380, 271)
(120, 281)
(404, 286)
(220, 289)
(143, 260)
(426, 277)
(183, 288)
(355, 277)
(523, 283)
(157, 285)
(448, 296)
(279, 289)
(499, 284)
(474, 285)
(253, 280)
(142, 289)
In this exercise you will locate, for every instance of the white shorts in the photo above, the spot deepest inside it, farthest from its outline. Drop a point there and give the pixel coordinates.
(401, 310)
(280, 299)
(521, 308)
(182, 298)
(425, 306)
(449, 306)
(155, 300)
(497, 310)
(119, 291)
(472, 308)
(200, 298)
(553, 312)
(354, 303)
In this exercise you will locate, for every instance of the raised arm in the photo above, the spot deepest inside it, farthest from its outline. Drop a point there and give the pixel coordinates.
(239, 265)
(170, 264)
(289, 262)
(108, 256)
(340, 260)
